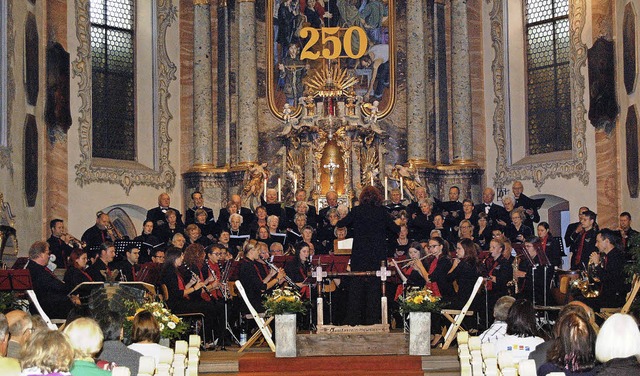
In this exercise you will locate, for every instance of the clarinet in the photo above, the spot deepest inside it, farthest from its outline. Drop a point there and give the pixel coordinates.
(286, 277)
(203, 289)
(213, 274)
(225, 278)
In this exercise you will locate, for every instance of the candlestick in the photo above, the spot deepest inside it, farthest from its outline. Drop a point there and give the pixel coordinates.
(279, 189)
(264, 190)
(401, 188)
(386, 188)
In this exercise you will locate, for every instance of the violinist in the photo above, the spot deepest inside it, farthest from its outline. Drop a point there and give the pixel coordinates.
(499, 273)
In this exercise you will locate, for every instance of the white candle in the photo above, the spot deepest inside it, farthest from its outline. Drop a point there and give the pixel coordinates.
(264, 189)
(371, 176)
(295, 184)
(279, 189)
(401, 188)
(386, 189)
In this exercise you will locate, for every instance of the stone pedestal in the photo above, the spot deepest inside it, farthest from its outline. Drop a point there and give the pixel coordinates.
(286, 335)
(419, 333)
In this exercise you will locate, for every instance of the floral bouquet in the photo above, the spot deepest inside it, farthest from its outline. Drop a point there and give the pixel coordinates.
(421, 300)
(284, 300)
(171, 326)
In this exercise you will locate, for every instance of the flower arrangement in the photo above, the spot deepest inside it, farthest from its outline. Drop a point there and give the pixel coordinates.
(171, 326)
(284, 300)
(420, 300)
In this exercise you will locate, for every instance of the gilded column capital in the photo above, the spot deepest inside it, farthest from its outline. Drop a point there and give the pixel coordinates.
(201, 2)
(246, 1)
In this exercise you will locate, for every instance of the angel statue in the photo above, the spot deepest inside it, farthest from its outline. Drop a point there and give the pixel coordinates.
(410, 180)
(254, 179)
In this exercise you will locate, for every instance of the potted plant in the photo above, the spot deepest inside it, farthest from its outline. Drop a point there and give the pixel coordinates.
(172, 327)
(285, 304)
(419, 303)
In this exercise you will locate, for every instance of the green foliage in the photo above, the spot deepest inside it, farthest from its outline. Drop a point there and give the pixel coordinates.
(284, 300)
(9, 301)
(171, 326)
(420, 300)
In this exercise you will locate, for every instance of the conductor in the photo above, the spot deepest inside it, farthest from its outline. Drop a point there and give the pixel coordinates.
(370, 222)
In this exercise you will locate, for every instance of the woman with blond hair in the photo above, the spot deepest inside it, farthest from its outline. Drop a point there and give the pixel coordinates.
(46, 353)
(86, 338)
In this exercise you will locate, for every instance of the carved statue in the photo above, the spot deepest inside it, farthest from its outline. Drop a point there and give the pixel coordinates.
(369, 161)
(254, 179)
(410, 179)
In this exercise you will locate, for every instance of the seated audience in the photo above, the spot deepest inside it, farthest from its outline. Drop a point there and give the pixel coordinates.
(8, 366)
(498, 329)
(113, 350)
(572, 352)
(145, 334)
(522, 334)
(48, 352)
(20, 329)
(85, 338)
(618, 346)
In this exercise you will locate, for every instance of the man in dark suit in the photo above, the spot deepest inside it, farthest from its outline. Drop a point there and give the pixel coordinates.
(246, 213)
(451, 210)
(627, 234)
(50, 291)
(157, 215)
(105, 257)
(129, 266)
(396, 206)
(584, 241)
(98, 234)
(574, 227)
(198, 203)
(332, 203)
(609, 267)
(494, 212)
(59, 242)
(530, 211)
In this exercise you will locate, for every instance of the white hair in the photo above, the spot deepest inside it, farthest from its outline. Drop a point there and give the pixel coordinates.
(619, 337)
(233, 215)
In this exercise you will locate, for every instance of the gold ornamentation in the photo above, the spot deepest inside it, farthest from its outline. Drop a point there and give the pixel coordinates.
(575, 166)
(163, 176)
(201, 2)
(334, 82)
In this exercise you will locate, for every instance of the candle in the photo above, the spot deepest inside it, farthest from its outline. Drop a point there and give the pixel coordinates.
(295, 184)
(386, 189)
(401, 188)
(264, 189)
(371, 176)
(279, 189)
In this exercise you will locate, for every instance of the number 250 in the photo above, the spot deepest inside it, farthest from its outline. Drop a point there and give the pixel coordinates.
(328, 35)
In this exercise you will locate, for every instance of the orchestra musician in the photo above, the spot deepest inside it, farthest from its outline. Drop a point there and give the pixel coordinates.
(129, 266)
(549, 246)
(97, 234)
(149, 241)
(59, 242)
(500, 272)
(532, 271)
(185, 291)
(253, 278)
(76, 272)
(299, 268)
(583, 240)
(101, 267)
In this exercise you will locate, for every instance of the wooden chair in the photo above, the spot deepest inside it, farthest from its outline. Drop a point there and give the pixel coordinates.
(199, 316)
(263, 325)
(605, 313)
(456, 321)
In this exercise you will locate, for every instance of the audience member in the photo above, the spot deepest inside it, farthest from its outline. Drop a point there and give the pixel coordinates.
(20, 328)
(498, 329)
(85, 338)
(618, 346)
(48, 352)
(522, 334)
(572, 352)
(145, 334)
(113, 350)
(8, 366)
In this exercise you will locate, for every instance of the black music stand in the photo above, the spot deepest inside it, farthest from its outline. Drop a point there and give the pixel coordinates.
(121, 247)
(15, 280)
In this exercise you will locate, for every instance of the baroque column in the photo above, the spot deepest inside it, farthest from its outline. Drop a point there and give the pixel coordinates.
(461, 85)
(202, 97)
(247, 83)
(416, 80)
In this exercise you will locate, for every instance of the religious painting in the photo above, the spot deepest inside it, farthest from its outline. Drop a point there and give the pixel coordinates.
(31, 59)
(629, 48)
(30, 160)
(57, 112)
(632, 152)
(330, 41)
(603, 105)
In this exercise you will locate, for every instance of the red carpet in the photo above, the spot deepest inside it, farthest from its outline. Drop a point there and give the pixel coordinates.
(266, 364)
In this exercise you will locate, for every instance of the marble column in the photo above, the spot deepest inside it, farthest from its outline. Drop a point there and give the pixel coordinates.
(247, 83)
(416, 81)
(461, 85)
(202, 97)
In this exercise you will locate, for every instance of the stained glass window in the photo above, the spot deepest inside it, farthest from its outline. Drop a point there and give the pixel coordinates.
(548, 86)
(113, 83)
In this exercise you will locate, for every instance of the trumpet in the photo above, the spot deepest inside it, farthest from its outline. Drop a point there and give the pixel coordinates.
(113, 232)
(74, 242)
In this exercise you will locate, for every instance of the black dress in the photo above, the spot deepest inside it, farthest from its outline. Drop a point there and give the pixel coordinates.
(466, 276)
(251, 275)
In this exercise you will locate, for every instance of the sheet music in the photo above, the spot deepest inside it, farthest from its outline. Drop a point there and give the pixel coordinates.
(345, 244)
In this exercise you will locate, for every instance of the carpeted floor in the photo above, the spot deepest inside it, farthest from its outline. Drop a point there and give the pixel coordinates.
(266, 364)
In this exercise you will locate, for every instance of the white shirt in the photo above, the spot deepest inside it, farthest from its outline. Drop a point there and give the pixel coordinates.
(496, 331)
(148, 349)
(519, 347)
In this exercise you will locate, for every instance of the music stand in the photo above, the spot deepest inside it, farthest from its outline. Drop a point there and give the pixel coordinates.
(282, 261)
(121, 247)
(15, 280)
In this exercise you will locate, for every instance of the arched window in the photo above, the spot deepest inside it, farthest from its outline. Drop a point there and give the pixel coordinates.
(113, 79)
(548, 87)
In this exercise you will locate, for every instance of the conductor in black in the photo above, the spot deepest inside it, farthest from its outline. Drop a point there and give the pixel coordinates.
(370, 222)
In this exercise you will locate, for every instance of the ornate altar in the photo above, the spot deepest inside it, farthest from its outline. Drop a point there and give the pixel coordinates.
(335, 142)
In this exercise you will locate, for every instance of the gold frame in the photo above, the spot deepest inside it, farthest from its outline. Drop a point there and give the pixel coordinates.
(277, 112)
